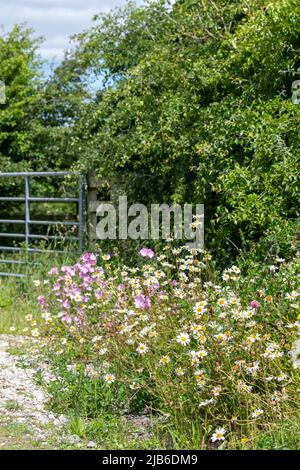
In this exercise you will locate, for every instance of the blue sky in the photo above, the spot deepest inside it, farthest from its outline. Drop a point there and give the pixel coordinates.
(54, 20)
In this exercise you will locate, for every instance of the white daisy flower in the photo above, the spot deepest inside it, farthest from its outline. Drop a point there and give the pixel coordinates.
(142, 348)
(258, 412)
(109, 378)
(183, 338)
(218, 435)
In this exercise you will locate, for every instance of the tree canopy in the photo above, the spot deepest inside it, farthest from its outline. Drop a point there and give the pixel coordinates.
(19, 70)
(196, 104)
(190, 101)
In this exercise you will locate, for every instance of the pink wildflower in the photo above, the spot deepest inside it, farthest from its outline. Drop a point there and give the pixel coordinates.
(67, 319)
(142, 302)
(53, 272)
(89, 258)
(66, 304)
(147, 252)
(42, 300)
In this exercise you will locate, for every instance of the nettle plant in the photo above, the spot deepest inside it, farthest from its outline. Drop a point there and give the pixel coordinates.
(198, 351)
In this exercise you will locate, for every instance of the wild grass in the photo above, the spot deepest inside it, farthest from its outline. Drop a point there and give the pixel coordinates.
(103, 376)
(17, 296)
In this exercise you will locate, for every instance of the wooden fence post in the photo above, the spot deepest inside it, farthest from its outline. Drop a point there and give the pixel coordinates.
(92, 191)
(95, 186)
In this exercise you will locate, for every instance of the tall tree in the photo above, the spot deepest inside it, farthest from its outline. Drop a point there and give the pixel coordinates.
(195, 104)
(20, 70)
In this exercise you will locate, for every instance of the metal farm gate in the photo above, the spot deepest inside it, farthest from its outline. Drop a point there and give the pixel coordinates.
(28, 236)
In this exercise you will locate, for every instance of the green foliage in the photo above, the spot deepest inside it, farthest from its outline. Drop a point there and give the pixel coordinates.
(63, 99)
(17, 299)
(19, 70)
(189, 102)
(193, 105)
(99, 410)
(36, 119)
(203, 355)
(196, 106)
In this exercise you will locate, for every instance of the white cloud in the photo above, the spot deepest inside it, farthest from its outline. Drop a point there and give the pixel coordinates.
(54, 20)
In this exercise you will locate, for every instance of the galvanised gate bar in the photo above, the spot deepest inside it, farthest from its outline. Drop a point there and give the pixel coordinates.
(27, 236)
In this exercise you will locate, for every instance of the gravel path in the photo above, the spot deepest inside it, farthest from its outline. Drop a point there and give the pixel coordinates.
(24, 420)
